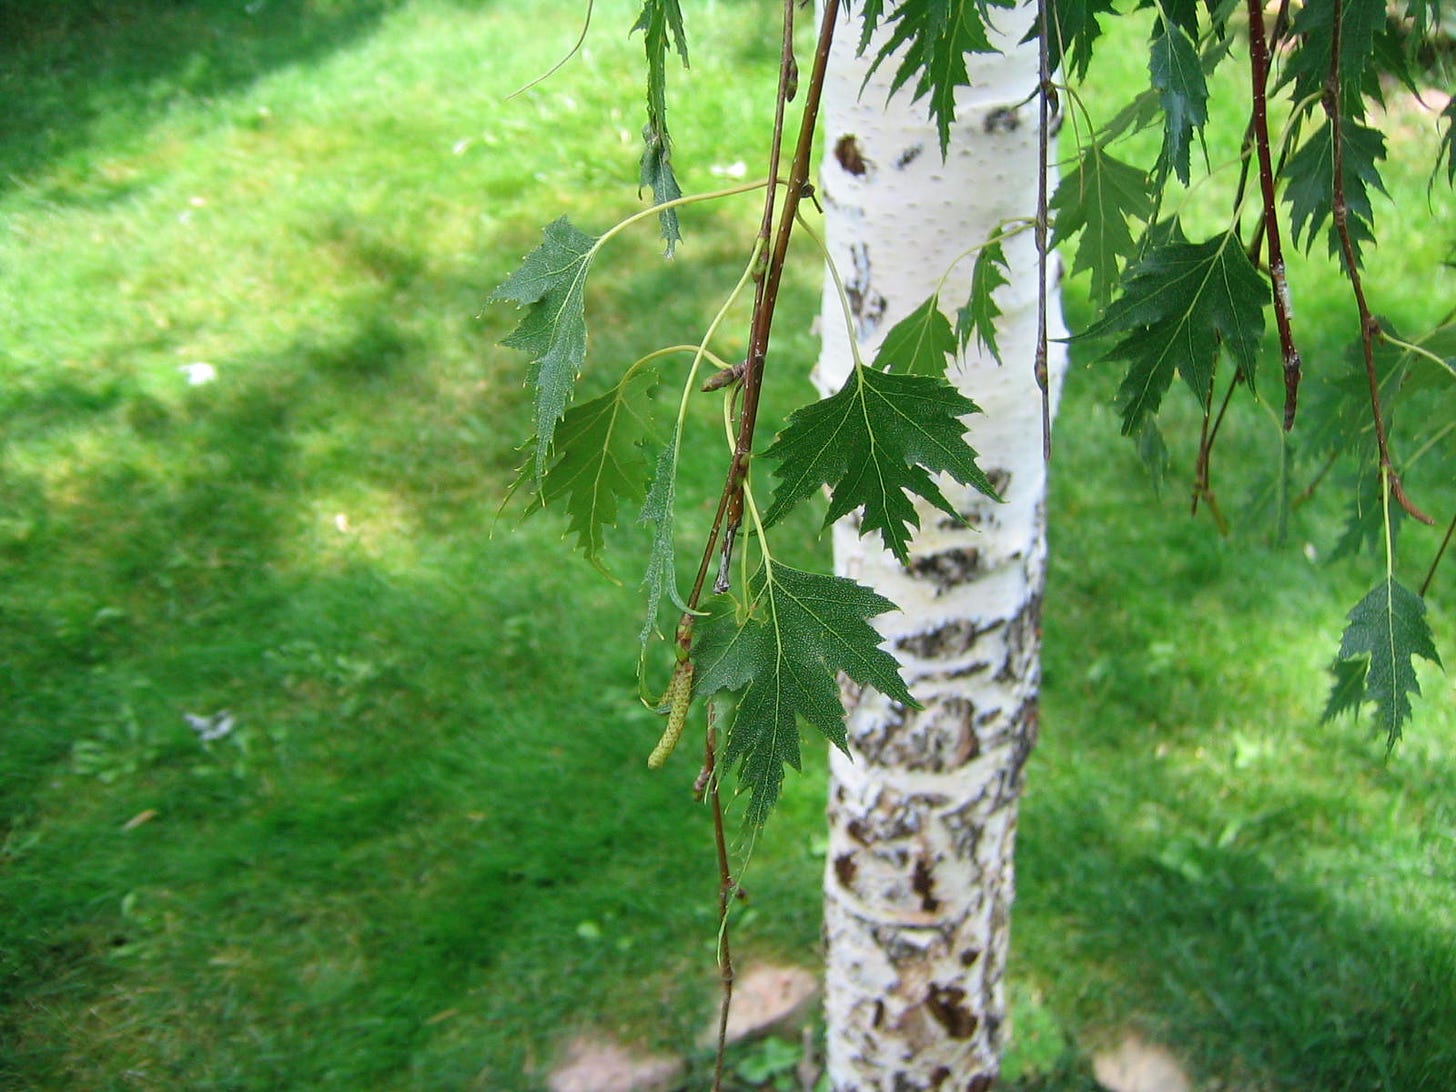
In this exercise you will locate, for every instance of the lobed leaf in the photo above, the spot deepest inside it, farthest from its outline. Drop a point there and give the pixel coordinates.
(781, 655)
(660, 576)
(1177, 75)
(1386, 631)
(601, 461)
(1179, 304)
(978, 317)
(875, 442)
(661, 24)
(1097, 198)
(1308, 67)
(551, 283)
(1072, 30)
(1309, 183)
(918, 344)
(931, 40)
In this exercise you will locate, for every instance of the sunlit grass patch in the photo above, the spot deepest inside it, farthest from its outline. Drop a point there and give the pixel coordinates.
(257, 429)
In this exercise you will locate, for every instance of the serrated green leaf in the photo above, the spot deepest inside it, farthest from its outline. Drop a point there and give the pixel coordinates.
(1097, 198)
(661, 24)
(1348, 689)
(875, 442)
(551, 282)
(1072, 30)
(930, 40)
(1447, 150)
(1386, 631)
(1309, 183)
(1308, 66)
(978, 317)
(1177, 75)
(601, 462)
(1366, 520)
(920, 343)
(1179, 304)
(782, 656)
(1153, 452)
(660, 576)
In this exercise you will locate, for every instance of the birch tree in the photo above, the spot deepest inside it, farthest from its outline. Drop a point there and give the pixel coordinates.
(922, 804)
(940, 373)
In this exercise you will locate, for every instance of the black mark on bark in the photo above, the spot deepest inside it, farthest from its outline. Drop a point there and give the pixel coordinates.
(846, 150)
(867, 305)
(922, 882)
(969, 956)
(947, 642)
(1003, 119)
(948, 1005)
(949, 569)
(908, 156)
(981, 1082)
(939, 1076)
(845, 870)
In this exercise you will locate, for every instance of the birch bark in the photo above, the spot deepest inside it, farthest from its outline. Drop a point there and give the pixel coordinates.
(919, 880)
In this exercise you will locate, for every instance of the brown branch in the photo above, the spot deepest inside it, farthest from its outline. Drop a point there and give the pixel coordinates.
(726, 887)
(1203, 467)
(728, 518)
(1369, 324)
(1259, 123)
(1436, 561)
(1043, 138)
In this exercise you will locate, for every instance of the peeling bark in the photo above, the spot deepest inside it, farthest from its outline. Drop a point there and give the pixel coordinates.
(919, 883)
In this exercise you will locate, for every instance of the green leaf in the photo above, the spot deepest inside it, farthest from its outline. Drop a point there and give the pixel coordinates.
(978, 317)
(1073, 30)
(875, 442)
(1177, 76)
(782, 656)
(931, 40)
(1386, 631)
(660, 21)
(1309, 183)
(919, 343)
(1348, 689)
(660, 576)
(1308, 67)
(1179, 304)
(602, 462)
(1096, 198)
(1153, 452)
(551, 283)
(1447, 150)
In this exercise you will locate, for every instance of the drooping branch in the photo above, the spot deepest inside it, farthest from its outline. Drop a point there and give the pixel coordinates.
(1044, 112)
(729, 515)
(1369, 324)
(1259, 124)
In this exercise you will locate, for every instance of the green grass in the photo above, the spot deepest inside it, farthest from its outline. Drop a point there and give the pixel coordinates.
(430, 851)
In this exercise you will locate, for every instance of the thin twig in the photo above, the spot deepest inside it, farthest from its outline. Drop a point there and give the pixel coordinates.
(725, 893)
(1043, 139)
(1436, 561)
(1369, 324)
(1259, 69)
(729, 515)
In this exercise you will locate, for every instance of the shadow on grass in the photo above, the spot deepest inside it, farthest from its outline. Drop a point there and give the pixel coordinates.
(1244, 967)
(75, 72)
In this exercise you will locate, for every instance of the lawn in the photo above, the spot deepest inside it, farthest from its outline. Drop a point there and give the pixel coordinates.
(429, 851)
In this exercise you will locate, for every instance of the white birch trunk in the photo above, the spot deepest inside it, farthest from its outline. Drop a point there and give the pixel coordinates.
(918, 885)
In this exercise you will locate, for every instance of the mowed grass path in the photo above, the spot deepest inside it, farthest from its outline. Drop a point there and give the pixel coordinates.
(430, 851)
